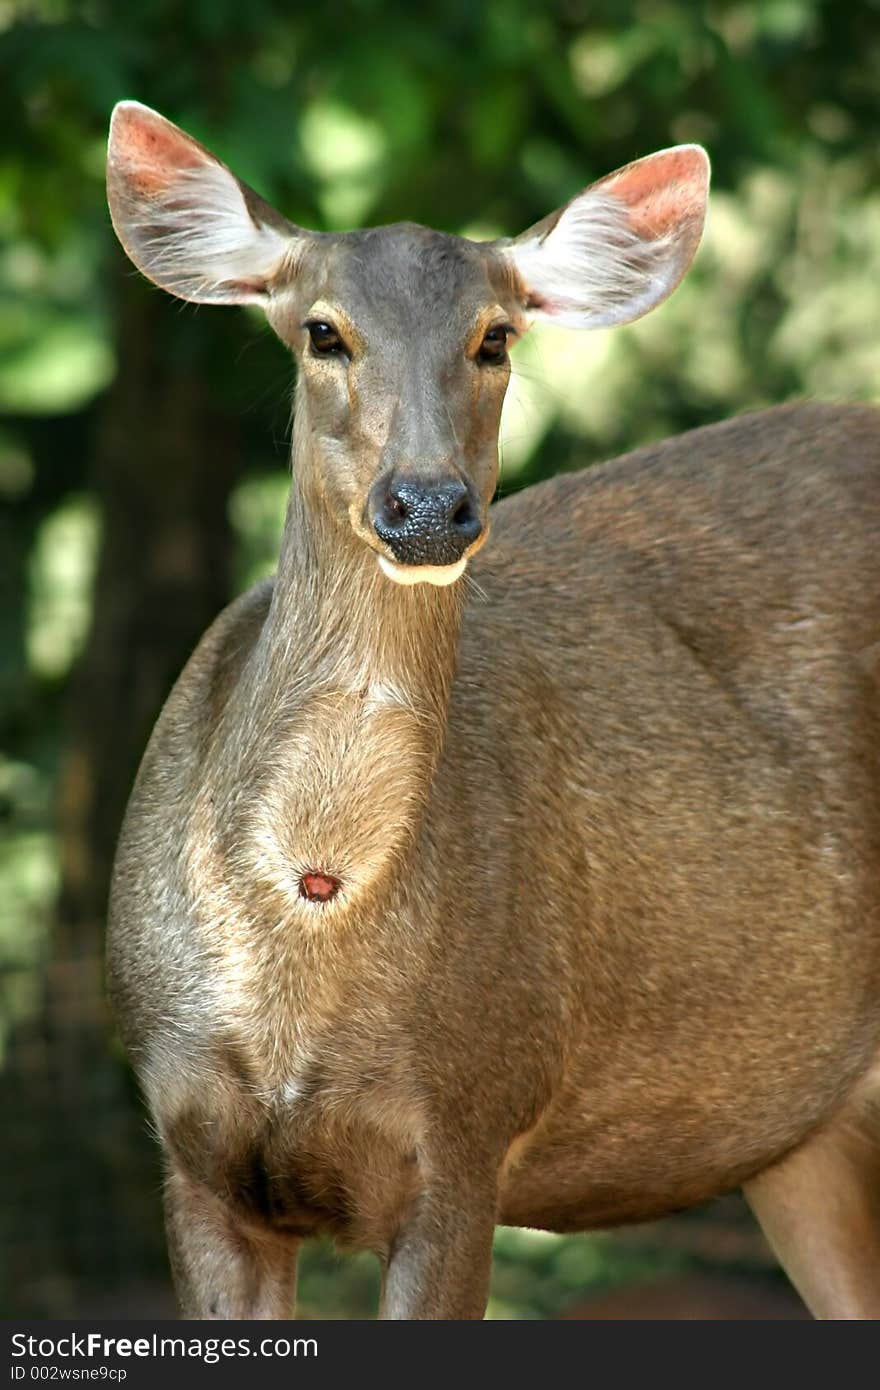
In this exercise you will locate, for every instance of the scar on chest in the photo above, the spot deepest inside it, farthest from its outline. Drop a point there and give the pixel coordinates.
(318, 887)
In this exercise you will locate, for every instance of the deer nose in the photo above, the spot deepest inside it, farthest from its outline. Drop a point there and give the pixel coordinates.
(425, 524)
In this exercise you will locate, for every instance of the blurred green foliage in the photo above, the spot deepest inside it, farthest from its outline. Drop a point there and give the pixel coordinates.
(473, 118)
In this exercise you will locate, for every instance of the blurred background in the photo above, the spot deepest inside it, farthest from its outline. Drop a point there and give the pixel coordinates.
(143, 451)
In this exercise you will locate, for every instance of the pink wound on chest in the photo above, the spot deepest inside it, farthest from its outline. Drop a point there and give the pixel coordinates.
(318, 888)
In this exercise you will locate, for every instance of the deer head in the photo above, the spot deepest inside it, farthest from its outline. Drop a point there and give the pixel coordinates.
(401, 334)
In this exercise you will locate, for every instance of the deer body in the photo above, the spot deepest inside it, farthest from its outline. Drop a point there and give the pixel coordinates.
(552, 901)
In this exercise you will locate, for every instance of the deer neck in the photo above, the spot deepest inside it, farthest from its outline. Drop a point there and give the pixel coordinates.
(348, 707)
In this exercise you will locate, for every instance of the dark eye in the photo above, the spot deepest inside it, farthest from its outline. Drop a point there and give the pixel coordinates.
(494, 346)
(324, 338)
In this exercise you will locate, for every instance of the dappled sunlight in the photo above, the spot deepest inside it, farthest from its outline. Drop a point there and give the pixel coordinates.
(62, 573)
(345, 150)
(558, 375)
(256, 510)
(28, 885)
(55, 348)
(829, 334)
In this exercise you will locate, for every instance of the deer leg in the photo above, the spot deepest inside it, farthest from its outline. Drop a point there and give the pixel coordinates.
(219, 1269)
(441, 1261)
(820, 1210)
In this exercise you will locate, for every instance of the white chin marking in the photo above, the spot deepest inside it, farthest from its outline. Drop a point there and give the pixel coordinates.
(422, 574)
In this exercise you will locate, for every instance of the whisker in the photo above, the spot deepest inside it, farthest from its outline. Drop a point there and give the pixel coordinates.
(477, 588)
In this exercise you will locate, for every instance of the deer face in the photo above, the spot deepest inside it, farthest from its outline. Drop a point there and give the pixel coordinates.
(402, 334)
(402, 338)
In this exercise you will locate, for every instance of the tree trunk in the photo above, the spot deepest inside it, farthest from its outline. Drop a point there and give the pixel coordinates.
(166, 460)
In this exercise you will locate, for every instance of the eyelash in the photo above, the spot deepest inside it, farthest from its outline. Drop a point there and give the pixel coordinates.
(485, 353)
(491, 358)
(313, 326)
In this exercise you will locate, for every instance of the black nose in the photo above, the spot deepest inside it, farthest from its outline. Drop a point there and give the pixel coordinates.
(425, 524)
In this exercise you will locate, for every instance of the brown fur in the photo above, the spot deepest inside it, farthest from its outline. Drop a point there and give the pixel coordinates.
(636, 921)
(606, 820)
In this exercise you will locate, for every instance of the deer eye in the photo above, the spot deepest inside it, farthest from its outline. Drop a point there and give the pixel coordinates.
(494, 346)
(324, 338)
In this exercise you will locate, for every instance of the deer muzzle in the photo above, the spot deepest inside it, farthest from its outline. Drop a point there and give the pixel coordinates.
(425, 524)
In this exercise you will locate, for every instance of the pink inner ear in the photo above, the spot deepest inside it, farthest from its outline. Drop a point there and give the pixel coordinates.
(661, 191)
(151, 151)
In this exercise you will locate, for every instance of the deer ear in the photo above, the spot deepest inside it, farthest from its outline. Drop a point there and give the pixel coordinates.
(620, 247)
(185, 220)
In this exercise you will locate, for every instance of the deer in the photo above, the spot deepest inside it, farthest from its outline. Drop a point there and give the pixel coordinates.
(529, 877)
